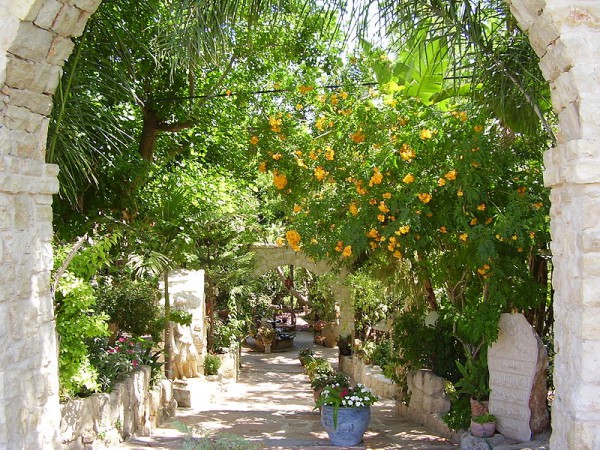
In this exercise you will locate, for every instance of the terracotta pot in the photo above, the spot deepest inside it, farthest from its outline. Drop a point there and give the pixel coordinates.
(479, 407)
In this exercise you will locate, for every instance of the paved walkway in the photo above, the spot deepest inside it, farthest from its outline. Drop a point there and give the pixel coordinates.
(271, 406)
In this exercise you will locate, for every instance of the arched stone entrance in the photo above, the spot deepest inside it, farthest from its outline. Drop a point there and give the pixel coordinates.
(35, 41)
(268, 257)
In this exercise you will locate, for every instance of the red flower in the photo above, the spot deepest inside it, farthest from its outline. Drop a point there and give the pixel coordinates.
(344, 393)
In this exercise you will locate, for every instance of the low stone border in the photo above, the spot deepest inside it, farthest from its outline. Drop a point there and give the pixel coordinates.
(102, 420)
(371, 376)
(428, 402)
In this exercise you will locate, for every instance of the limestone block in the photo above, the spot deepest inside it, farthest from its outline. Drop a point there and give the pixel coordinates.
(432, 384)
(88, 5)
(564, 91)
(569, 122)
(526, 13)
(31, 42)
(558, 59)
(60, 50)
(24, 9)
(19, 118)
(35, 76)
(70, 21)
(48, 14)
(542, 34)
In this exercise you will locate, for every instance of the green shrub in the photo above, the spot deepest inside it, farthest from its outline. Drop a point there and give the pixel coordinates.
(211, 364)
(76, 324)
(133, 306)
(318, 366)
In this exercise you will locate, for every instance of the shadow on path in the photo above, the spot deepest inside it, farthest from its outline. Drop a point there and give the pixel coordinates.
(271, 406)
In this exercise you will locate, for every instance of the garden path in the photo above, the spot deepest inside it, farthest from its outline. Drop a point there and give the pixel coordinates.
(272, 407)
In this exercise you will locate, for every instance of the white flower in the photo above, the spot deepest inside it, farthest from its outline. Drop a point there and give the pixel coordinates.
(350, 402)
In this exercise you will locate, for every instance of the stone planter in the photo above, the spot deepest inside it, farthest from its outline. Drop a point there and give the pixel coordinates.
(484, 430)
(479, 407)
(351, 425)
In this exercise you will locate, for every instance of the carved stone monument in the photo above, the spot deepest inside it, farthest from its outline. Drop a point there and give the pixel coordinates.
(515, 360)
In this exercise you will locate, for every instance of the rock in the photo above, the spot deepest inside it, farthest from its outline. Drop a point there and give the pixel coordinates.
(539, 421)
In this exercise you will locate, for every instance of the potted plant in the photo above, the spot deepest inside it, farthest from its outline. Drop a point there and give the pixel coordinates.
(323, 379)
(483, 425)
(345, 413)
(474, 384)
(317, 365)
(305, 355)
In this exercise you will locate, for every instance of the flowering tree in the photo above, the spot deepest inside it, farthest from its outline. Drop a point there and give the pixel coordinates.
(455, 196)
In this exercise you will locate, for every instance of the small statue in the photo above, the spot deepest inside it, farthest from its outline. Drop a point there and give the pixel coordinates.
(185, 354)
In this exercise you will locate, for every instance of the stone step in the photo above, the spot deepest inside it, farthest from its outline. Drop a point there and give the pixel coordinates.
(499, 442)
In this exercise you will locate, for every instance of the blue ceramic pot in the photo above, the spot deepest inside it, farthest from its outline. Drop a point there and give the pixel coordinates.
(351, 425)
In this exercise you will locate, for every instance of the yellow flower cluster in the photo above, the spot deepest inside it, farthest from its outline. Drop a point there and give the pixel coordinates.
(377, 177)
(280, 180)
(409, 178)
(254, 140)
(383, 207)
(358, 137)
(329, 153)
(320, 123)
(320, 173)
(353, 209)
(305, 89)
(451, 175)
(275, 123)
(407, 153)
(403, 230)
(277, 156)
(293, 239)
(425, 197)
(426, 134)
(483, 269)
(262, 167)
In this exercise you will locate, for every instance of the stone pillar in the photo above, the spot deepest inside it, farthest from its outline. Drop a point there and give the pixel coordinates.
(565, 36)
(34, 44)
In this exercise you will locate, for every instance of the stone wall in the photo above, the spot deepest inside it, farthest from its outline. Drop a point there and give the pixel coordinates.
(428, 402)
(565, 35)
(371, 376)
(34, 44)
(103, 420)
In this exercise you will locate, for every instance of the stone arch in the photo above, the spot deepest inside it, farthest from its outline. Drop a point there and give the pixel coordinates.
(35, 41)
(565, 37)
(270, 256)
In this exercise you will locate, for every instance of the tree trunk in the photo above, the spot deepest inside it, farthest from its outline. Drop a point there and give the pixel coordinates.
(168, 347)
(210, 315)
(149, 135)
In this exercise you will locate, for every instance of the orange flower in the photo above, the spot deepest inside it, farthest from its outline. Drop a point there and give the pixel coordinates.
(373, 244)
(443, 229)
(451, 175)
(407, 153)
(463, 237)
(320, 123)
(424, 197)
(347, 251)
(481, 207)
(478, 128)
(353, 209)
(426, 134)
(376, 178)
(398, 254)
(460, 193)
(372, 201)
(280, 180)
(280, 241)
(293, 239)
(254, 140)
(408, 178)
(373, 233)
(383, 207)
(329, 153)
(277, 156)
(262, 167)
(320, 173)
(387, 195)
(358, 137)
(305, 89)
(489, 220)
(403, 229)
(473, 221)
(339, 246)
(297, 208)
(441, 182)
(381, 217)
